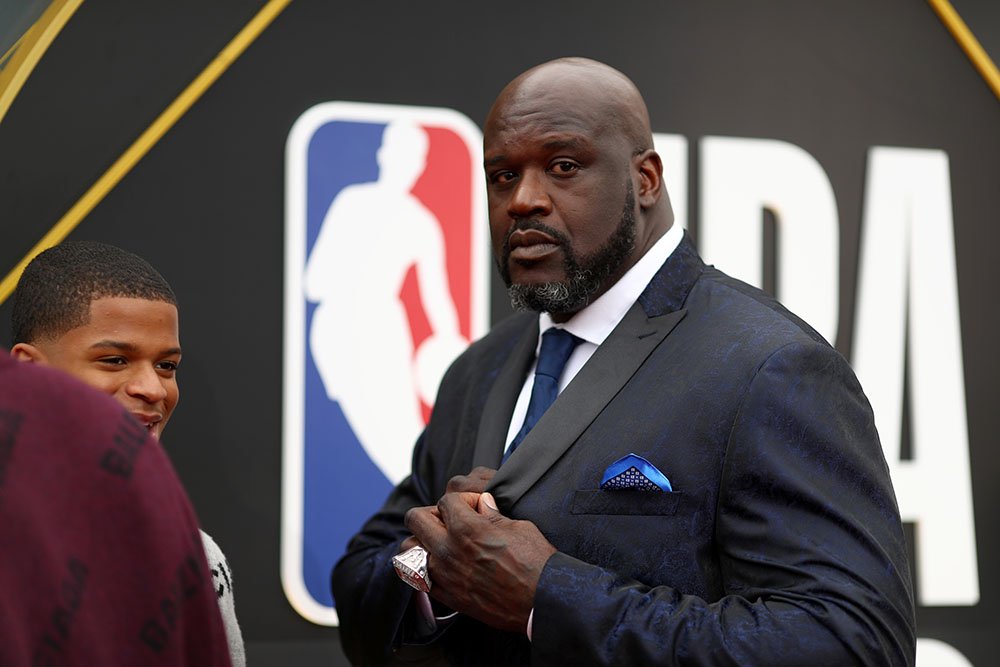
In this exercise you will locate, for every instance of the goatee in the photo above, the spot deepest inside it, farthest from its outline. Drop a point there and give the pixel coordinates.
(584, 275)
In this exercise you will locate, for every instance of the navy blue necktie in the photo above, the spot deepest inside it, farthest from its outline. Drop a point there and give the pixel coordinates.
(557, 346)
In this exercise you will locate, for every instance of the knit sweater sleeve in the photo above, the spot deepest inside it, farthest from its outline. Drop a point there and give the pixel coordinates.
(222, 579)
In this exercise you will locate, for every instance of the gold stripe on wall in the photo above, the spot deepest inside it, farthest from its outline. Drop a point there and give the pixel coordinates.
(21, 58)
(124, 164)
(973, 49)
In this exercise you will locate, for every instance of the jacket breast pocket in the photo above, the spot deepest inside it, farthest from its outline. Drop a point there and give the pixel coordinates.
(626, 501)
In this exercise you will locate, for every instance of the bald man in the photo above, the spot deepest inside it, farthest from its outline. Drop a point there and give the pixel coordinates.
(707, 487)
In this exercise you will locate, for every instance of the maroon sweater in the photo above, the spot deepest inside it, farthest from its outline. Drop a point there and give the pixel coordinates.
(100, 558)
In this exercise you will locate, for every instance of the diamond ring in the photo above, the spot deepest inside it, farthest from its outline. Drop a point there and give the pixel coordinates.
(411, 566)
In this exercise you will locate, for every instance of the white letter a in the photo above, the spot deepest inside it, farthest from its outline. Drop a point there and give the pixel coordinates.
(908, 300)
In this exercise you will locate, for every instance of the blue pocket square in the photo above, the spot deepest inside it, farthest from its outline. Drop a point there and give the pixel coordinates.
(634, 472)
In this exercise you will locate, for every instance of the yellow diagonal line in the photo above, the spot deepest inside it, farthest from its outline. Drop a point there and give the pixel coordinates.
(124, 164)
(10, 52)
(973, 49)
(29, 49)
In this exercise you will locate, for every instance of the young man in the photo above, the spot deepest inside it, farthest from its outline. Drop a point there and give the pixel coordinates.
(108, 318)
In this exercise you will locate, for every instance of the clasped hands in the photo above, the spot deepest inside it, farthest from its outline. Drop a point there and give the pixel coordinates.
(482, 563)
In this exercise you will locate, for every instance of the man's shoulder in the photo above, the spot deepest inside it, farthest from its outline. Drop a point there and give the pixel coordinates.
(729, 303)
(212, 549)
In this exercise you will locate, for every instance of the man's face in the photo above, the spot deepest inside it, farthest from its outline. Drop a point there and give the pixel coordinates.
(562, 214)
(129, 350)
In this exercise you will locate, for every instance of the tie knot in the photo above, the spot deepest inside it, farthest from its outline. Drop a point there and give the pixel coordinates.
(557, 345)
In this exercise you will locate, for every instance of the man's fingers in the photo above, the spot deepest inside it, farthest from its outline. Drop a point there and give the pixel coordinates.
(487, 505)
(457, 508)
(476, 481)
(483, 473)
(425, 524)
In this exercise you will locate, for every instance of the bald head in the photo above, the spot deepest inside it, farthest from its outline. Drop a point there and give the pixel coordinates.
(598, 90)
(575, 189)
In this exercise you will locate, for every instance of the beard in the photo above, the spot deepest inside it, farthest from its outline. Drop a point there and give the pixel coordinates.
(584, 275)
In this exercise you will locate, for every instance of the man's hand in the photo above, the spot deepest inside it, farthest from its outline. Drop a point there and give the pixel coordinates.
(474, 482)
(481, 563)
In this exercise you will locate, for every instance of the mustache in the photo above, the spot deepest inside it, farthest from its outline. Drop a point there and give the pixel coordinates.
(524, 225)
(502, 258)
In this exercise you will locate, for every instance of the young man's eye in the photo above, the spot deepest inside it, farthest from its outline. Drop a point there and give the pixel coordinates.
(112, 361)
(170, 366)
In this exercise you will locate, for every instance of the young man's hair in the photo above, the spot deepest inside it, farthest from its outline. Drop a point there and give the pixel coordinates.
(57, 287)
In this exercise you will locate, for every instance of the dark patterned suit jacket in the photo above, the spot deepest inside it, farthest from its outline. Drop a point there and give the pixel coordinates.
(781, 543)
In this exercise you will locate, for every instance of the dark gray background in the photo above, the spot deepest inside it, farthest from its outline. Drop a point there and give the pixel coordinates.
(206, 205)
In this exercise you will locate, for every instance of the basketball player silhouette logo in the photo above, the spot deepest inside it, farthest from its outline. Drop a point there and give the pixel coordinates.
(371, 368)
(386, 274)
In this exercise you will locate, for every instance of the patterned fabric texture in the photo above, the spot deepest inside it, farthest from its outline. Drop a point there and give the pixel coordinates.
(102, 563)
(222, 580)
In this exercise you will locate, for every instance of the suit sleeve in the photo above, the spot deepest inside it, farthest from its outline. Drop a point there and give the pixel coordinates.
(807, 534)
(373, 604)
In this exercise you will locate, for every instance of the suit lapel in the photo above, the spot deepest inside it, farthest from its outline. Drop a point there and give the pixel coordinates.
(656, 312)
(492, 434)
(597, 383)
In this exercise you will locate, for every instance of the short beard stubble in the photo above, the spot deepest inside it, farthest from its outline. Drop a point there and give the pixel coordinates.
(584, 275)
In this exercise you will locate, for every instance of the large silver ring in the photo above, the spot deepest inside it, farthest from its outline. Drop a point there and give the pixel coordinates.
(411, 566)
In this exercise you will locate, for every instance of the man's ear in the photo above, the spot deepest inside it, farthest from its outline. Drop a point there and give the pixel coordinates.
(27, 352)
(650, 169)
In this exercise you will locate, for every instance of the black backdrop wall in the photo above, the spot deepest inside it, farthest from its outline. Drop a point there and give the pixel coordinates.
(207, 206)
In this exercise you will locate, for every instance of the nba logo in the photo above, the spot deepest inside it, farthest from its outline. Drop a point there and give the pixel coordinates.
(385, 284)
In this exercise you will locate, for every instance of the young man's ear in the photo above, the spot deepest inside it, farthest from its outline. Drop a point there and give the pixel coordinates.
(27, 352)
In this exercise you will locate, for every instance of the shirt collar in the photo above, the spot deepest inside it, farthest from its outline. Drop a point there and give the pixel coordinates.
(596, 322)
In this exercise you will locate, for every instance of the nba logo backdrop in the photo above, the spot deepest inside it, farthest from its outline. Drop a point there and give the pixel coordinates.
(385, 284)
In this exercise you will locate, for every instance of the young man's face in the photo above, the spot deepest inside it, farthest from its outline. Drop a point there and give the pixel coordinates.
(129, 349)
